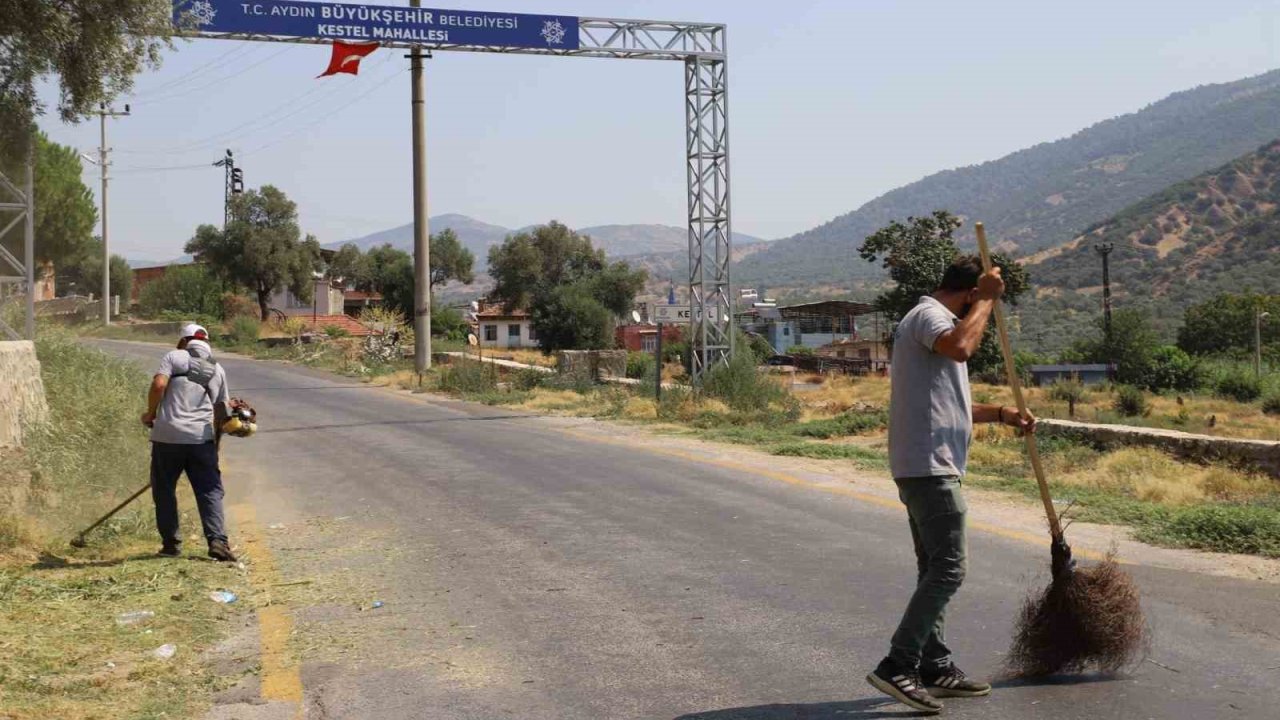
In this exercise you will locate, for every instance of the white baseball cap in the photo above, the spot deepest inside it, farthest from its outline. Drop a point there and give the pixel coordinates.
(192, 330)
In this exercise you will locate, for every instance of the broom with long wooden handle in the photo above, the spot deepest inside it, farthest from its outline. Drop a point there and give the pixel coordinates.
(1088, 617)
(1061, 551)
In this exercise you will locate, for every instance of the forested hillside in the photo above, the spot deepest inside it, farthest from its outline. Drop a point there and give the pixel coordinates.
(1047, 194)
(1218, 232)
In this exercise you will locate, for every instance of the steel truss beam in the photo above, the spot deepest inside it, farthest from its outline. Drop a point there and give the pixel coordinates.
(21, 204)
(710, 240)
(701, 47)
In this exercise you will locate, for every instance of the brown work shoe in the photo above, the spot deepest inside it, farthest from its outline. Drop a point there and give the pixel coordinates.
(218, 550)
(170, 550)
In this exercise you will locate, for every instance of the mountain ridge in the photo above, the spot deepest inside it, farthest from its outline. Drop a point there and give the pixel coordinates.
(1048, 193)
(617, 240)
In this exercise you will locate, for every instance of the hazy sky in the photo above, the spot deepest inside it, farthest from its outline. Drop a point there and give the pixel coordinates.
(831, 104)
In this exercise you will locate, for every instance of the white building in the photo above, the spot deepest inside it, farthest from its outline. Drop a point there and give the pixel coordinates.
(498, 328)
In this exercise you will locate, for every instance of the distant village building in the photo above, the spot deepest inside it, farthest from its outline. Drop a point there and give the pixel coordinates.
(497, 327)
(642, 337)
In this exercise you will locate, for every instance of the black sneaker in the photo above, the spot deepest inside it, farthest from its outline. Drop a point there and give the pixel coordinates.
(952, 682)
(218, 550)
(903, 686)
(170, 550)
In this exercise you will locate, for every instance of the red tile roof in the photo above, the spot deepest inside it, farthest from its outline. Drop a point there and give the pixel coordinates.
(360, 295)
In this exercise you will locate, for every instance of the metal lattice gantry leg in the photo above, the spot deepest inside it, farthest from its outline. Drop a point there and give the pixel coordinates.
(710, 239)
(22, 204)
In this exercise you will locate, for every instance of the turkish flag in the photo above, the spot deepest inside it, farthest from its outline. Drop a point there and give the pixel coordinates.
(346, 58)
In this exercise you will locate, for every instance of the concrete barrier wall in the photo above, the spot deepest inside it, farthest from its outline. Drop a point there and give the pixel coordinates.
(22, 400)
(1262, 455)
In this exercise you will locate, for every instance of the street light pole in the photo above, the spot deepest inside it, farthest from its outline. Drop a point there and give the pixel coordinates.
(103, 114)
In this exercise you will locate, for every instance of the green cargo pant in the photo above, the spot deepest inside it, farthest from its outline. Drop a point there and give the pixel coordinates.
(936, 509)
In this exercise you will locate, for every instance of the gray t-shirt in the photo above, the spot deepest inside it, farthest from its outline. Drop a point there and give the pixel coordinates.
(930, 411)
(185, 416)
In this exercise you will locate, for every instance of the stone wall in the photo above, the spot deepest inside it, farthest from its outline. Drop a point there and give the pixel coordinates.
(1263, 455)
(22, 400)
(595, 364)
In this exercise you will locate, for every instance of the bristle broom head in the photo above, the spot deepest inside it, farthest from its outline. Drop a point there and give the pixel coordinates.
(1088, 618)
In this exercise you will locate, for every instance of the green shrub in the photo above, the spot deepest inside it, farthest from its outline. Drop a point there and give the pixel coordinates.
(741, 386)
(801, 351)
(1068, 390)
(639, 365)
(244, 329)
(1271, 404)
(335, 331)
(823, 451)
(1253, 529)
(1131, 401)
(1238, 385)
(189, 290)
(446, 322)
(1172, 369)
(469, 378)
(528, 379)
(850, 422)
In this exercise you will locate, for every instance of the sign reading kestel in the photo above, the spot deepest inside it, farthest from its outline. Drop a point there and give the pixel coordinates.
(671, 313)
(344, 22)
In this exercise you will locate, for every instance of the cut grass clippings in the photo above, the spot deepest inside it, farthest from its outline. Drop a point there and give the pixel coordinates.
(64, 655)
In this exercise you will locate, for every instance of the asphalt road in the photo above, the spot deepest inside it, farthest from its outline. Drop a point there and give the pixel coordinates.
(529, 572)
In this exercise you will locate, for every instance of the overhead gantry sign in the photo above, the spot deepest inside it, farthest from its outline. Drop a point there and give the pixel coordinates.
(700, 46)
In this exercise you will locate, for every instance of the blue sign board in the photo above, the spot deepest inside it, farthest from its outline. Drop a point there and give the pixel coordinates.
(346, 22)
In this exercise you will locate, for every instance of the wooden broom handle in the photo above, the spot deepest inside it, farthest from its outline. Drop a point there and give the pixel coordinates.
(1011, 371)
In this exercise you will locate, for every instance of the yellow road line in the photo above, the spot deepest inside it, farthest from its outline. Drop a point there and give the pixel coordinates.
(281, 679)
(882, 501)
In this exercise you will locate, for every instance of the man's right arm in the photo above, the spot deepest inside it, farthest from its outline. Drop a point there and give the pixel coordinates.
(961, 342)
(155, 394)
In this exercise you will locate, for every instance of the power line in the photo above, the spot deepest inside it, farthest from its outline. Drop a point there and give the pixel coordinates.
(238, 73)
(266, 120)
(211, 65)
(328, 116)
(135, 169)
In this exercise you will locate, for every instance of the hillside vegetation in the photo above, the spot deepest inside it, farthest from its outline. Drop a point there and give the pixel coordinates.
(1050, 193)
(1216, 233)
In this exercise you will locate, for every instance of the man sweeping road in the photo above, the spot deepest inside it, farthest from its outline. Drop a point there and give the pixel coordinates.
(931, 420)
(187, 400)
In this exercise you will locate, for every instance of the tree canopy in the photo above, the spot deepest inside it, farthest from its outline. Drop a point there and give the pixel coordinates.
(1224, 324)
(916, 254)
(571, 291)
(261, 247)
(65, 210)
(450, 260)
(94, 47)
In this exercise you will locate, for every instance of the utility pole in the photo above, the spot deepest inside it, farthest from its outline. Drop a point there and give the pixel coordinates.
(233, 184)
(103, 114)
(229, 174)
(1258, 316)
(421, 230)
(1104, 249)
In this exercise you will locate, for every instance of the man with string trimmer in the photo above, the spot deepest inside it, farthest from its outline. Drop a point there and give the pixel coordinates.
(186, 406)
(931, 420)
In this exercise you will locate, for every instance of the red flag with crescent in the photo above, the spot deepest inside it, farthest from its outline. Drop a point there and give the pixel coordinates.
(346, 58)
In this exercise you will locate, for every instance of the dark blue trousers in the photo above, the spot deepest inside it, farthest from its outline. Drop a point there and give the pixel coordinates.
(200, 463)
